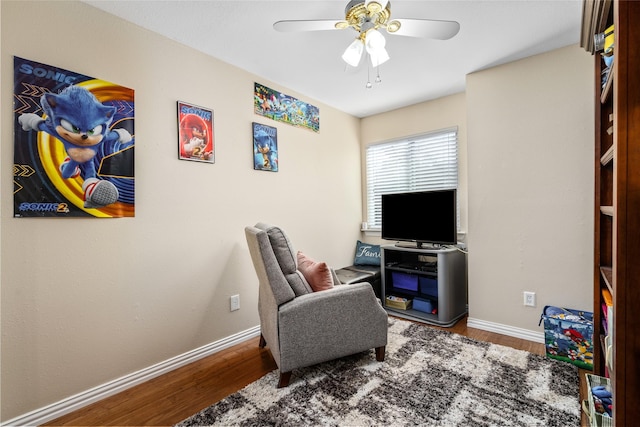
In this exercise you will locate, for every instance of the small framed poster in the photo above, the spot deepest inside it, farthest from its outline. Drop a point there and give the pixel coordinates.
(284, 108)
(265, 147)
(195, 133)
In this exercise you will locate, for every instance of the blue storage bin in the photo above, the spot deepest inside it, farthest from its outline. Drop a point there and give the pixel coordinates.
(429, 286)
(404, 281)
(422, 304)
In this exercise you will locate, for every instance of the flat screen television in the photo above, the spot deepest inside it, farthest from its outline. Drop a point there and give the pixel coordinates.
(421, 217)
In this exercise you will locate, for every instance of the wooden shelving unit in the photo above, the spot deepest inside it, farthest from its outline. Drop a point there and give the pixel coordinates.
(617, 202)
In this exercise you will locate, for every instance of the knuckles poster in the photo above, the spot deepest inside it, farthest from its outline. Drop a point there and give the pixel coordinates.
(73, 144)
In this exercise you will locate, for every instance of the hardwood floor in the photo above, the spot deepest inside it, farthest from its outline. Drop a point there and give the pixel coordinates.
(170, 398)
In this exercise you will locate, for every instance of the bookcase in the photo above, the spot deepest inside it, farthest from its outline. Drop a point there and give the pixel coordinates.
(617, 202)
(434, 280)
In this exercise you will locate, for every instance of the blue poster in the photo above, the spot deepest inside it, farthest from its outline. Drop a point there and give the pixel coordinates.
(73, 144)
(265, 147)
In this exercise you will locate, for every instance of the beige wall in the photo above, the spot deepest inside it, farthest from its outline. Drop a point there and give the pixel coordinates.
(530, 151)
(425, 117)
(85, 301)
(526, 183)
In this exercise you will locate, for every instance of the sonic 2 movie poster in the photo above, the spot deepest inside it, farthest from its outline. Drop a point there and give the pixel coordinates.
(265, 147)
(74, 144)
(196, 133)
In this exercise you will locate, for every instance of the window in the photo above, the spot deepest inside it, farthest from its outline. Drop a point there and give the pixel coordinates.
(419, 163)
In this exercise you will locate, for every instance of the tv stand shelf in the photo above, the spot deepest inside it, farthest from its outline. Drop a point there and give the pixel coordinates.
(434, 275)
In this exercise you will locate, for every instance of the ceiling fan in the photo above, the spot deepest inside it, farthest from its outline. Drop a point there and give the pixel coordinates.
(367, 17)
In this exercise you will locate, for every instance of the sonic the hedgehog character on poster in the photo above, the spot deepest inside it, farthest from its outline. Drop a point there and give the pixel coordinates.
(82, 124)
(265, 147)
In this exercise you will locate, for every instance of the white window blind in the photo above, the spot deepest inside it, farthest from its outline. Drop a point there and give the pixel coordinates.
(419, 163)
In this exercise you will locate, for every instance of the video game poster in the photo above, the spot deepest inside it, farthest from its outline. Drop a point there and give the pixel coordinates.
(196, 141)
(73, 144)
(280, 107)
(265, 147)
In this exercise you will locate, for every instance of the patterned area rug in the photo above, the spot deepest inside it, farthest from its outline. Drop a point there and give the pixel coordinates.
(430, 377)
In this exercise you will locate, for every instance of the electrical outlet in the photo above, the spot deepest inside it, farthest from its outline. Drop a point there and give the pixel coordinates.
(530, 299)
(234, 302)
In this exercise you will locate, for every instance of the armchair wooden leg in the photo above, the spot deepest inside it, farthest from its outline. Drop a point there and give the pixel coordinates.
(380, 354)
(285, 377)
(262, 343)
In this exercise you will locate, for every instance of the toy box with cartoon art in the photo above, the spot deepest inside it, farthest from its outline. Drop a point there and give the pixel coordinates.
(568, 335)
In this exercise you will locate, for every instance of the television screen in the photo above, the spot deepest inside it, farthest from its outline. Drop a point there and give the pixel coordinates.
(421, 217)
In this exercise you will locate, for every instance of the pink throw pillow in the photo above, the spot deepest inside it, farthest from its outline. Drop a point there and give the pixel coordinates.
(317, 274)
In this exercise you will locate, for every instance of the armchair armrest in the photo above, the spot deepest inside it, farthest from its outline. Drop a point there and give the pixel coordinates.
(334, 275)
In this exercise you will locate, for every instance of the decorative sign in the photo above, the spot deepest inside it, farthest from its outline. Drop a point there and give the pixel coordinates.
(195, 139)
(284, 108)
(73, 144)
(265, 147)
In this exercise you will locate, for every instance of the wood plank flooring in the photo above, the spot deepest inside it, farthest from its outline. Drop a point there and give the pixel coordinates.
(172, 397)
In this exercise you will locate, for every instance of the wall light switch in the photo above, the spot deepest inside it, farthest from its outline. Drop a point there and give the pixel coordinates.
(530, 299)
(234, 302)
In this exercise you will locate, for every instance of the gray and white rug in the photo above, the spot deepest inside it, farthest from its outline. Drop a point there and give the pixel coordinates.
(430, 377)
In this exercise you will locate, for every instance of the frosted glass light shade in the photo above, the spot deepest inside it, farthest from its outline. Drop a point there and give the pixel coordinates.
(353, 53)
(374, 40)
(378, 56)
(375, 43)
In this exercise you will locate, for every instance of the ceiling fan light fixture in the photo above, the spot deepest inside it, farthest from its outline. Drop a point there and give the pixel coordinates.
(374, 43)
(374, 40)
(353, 53)
(378, 56)
(375, 6)
(393, 26)
(367, 17)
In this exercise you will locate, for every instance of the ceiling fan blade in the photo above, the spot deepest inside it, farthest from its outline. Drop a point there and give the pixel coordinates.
(427, 28)
(313, 25)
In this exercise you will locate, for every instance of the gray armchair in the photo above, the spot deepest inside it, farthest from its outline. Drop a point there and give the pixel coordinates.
(302, 327)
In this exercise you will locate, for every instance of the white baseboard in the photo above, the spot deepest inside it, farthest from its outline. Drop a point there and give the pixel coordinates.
(511, 331)
(80, 400)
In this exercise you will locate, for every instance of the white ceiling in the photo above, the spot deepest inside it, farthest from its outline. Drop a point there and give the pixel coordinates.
(241, 33)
